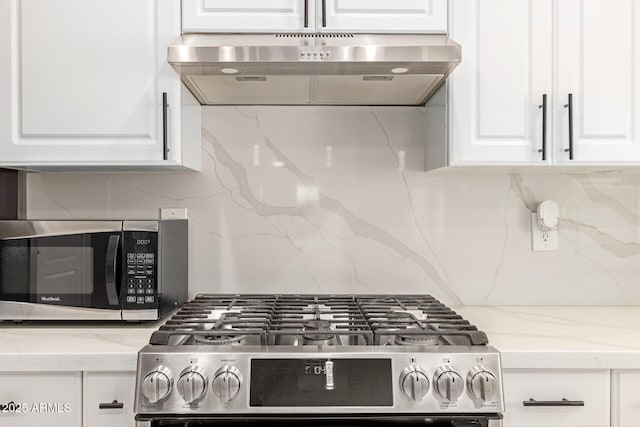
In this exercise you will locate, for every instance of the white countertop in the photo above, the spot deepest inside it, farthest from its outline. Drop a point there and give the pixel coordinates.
(76, 348)
(527, 337)
(561, 337)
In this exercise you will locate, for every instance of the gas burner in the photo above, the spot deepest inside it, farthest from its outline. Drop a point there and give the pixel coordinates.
(316, 335)
(399, 315)
(417, 339)
(219, 339)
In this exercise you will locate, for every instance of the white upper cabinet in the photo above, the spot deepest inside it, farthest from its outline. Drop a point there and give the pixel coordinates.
(598, 62)
(82, 83)
(383, 16)
(245, 15)
(497, 90)
(515, 52)
(361, 16)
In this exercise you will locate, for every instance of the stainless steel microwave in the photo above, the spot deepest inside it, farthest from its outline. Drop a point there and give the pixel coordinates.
(92, 270)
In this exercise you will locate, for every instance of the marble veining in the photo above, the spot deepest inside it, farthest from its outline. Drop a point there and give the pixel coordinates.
(561, 337)
(336, 200)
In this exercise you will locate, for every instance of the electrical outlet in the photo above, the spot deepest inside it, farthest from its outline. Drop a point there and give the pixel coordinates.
(542, 240)
(173, 213)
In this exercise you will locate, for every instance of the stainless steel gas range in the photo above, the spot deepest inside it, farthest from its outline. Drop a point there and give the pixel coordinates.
(328, 360)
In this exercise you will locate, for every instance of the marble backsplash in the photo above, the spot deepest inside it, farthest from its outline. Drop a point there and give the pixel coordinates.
(336, 200)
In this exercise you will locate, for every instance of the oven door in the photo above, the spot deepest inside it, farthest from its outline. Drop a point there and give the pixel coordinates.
(52, 270)
(325, 421)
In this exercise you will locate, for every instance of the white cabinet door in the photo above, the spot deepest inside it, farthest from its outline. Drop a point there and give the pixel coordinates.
(264, 16)
(41, 399)
(382, 16)
(590, 387)
(108, 399)
(82, 81)
(625, 399)
(598, 53)
(497, 89)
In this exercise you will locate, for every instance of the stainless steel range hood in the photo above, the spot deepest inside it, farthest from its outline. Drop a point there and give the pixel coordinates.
(307, 69)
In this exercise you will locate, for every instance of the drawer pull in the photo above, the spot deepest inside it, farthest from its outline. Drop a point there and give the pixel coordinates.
(113, 405)
(563, 402)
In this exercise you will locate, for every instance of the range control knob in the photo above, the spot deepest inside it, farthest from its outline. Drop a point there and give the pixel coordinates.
(414, 382)
(192, 384)
(226, 383)
(156, 385)
(482, 384)
(448, 383)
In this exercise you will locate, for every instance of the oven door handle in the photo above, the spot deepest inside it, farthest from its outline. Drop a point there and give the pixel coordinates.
(563, 402)
(111, 264)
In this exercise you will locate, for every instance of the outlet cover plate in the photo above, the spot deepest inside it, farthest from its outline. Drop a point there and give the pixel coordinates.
(542, 240)
(173, 213)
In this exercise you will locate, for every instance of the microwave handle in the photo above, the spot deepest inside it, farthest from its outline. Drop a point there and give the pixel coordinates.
(111, 264)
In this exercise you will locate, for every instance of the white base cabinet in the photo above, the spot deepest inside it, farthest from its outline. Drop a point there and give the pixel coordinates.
(87, 83)
(41, 399)
(67, 399)
(358, 16)
(551, 387)
(108, 399)
(625, 393)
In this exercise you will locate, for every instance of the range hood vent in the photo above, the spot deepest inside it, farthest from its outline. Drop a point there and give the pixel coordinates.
(314, 69)
(316, 35)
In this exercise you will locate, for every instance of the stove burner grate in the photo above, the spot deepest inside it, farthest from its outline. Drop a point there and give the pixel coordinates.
(409, 320)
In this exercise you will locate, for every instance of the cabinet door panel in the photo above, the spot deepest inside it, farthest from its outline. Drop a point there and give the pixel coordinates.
(416, 16)
(211, 16)
(82, 80)
(105, 387)
(625, 411)
(597, 61)
(592, 387)
(45, 399)
(69, 80)
(497, 89)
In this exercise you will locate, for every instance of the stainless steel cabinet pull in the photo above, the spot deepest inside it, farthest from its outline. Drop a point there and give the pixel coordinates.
(165, 107)
(563, 402)
(113, 405)
(569, 105)
(324, 13)
(306, 13)
(543, 150)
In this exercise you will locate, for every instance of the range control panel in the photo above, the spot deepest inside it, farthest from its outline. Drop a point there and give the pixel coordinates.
(140, 281)
(193, 379)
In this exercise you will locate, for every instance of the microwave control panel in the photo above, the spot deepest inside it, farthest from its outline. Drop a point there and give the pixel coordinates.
(140, 281)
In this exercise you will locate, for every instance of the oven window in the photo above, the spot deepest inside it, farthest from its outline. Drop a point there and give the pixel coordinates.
(62, 270)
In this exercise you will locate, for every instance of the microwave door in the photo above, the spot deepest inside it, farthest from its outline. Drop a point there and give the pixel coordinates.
(76, 270)
(60, 270)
